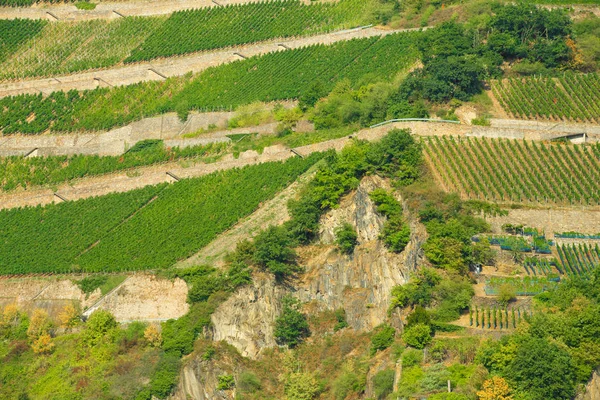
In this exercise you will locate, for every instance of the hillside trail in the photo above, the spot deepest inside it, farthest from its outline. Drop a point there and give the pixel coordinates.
(160, 69)
(109, 9)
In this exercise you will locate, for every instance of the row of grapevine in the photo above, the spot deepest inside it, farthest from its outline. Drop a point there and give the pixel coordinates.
(25, 172)
(15, 32)
(578, 259)
(526, 286)
(66, 47)
(271, 77)
(485, 317)
(148, 228)
(572, 97)
(210, 28)
(576, 235)
(540, 266)
(515, 170)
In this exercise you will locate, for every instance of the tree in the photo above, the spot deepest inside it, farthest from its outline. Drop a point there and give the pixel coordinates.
(68, 316)
(301, 386)
(99, 324)
(506, 294)
(382, 338)
(495, 388)
(153, 335)
(291, 326)
(417, 336)
(39, 324)
(346, 238)
(273, 251)
(43, 344)
(541, 369)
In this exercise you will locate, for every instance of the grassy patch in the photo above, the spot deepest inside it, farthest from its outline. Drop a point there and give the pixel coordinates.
(85, 5)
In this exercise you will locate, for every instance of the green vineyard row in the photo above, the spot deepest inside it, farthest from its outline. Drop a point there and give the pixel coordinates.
(518, 171)
(571, 97)
(271, 77)
(66, 47)
(149, 228)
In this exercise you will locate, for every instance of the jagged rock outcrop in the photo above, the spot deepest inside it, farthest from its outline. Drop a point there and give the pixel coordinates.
(592, 389)
(359, 283)
(246, 319)
(198, 380)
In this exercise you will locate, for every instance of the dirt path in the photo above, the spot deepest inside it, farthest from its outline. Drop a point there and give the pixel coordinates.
(109, 9)
(159, 69)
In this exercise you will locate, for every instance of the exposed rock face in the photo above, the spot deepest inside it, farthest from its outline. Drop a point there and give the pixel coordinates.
(246, 319)
(360, 283)
(592, 389)
(198, 380)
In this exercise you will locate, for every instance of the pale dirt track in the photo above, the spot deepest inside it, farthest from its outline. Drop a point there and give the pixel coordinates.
(159, 69)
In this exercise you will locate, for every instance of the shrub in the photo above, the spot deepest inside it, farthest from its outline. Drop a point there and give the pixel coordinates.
(340, 316)
(382, 338)
(165, 377)
(395, 233)
(291, 326)
(248, 382)
(412, 357)
(506, 294)
(99, 324)
(226, 382)
(91, 283)
(383, 383)
(301, 386)
(273, 251)
(417, 336)
(346, 238)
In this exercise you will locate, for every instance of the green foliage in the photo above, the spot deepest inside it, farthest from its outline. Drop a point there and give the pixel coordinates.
(382, 338)
(98, 325)
(301, 386)
(346, 238)
(273, 252)
(291, 327)
(209, 28)
(226, 382)
(412, 357)
(417, 335)
(396, 232)
(206, 281)
(165, 377)
(15, 32)
(133, 231)
(383, 383)
(248, 383)
(85, 5)
(224, 86)
(340, 316)
(91, 283)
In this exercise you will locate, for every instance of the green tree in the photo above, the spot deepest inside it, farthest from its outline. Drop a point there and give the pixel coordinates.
(273, 251)
(98, 325)
(417, 336)
(383, 383)
(346, 238)
(382, 338)
(291, 327)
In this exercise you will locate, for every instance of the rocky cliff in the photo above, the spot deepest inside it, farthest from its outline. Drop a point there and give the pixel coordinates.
(592, 389)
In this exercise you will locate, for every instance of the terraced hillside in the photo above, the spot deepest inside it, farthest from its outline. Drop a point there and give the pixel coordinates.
(571, 97)
(517, 171)
(65, 47)
(150, 228)
(274, 76)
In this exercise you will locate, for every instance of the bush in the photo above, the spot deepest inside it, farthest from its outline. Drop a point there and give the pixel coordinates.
(506, 294)
(340, 316)
(382, 338)
(99, 324)
(346, 238)
(411, 358)
(417, 336)
(226, 382)
(291, 326)
(248, 383)
(91, 283)
(383, 383)
(395, 233)
(165, 377)
(273, 251)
